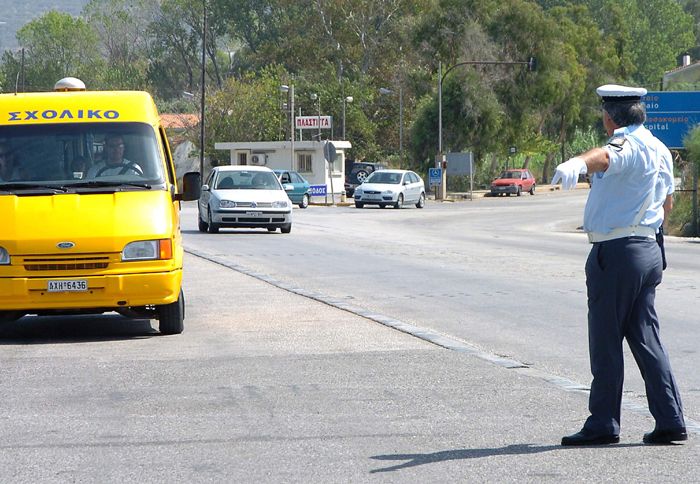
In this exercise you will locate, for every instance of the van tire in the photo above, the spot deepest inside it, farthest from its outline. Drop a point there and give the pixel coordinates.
(171, 317)
(286, 228)
(10, 316)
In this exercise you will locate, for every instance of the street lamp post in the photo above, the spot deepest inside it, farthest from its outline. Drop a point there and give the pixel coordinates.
(531, 66)
(290, 89)
(347, 99)
(383, 90)
(317, 98)
(203, 91)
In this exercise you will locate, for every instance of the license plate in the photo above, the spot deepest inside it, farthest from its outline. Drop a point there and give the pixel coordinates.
(68, 285)
(255, 214)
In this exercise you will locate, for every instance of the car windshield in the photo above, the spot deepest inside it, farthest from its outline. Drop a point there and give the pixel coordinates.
(82, 156)
(384, 177)
(510, 174)
(247, 180)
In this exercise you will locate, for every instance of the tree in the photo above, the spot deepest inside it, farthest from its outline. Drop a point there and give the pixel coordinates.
(56, 45)
(122, 26)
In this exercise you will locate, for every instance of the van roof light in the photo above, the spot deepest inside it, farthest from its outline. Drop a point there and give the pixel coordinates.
(69, 84)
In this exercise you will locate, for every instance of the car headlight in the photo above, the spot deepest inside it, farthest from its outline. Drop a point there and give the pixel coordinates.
(358, 191)
(4, 256)
(280, 204)
(227, 204)
(148, 250)
(388, 192)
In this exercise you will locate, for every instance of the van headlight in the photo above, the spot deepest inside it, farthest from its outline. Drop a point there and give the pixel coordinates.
(148, 250)
(4, 256)
(280, 204)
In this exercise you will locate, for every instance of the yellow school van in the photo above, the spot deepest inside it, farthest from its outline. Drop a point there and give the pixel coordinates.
(89, 207)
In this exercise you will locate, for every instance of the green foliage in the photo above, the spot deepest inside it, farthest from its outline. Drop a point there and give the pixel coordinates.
(56, 45)
(339, 48)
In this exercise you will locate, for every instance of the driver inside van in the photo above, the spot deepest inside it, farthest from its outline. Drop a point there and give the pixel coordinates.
(114, 162)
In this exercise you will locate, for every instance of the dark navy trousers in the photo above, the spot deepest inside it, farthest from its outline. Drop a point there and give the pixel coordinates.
(621, 279)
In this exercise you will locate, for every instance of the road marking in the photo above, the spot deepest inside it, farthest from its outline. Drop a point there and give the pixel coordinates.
(432, 336)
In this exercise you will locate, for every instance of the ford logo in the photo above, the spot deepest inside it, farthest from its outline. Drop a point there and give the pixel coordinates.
(65, 245)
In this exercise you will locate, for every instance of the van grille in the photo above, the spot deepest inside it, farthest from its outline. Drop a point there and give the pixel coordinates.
(65, 264)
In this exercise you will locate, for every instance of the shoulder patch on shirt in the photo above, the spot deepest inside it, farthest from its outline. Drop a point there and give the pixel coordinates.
(617, 142)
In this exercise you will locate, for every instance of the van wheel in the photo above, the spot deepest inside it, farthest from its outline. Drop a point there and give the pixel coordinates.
(213, 228)
(202, 225)
(286, 228)
(304, 201)
(10, 316)
(171, 317)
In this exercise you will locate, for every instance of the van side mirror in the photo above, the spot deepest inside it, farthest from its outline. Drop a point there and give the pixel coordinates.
(191, 186)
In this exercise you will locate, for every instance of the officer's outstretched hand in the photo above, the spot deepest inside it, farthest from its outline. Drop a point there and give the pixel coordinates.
(568, 172)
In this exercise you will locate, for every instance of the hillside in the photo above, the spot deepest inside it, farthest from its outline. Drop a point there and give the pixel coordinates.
(14, 14)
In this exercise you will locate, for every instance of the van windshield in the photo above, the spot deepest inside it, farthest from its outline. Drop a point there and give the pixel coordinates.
(80, 155)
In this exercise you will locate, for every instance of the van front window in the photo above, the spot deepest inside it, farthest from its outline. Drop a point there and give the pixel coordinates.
(65, 155)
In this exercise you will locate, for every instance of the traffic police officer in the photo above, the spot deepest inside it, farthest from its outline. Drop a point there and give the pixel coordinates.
(631, 191)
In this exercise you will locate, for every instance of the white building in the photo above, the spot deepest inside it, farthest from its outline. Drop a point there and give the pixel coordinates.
(308, 160)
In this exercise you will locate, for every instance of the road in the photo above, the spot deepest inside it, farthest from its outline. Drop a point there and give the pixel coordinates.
(284, 375)
(504, 275)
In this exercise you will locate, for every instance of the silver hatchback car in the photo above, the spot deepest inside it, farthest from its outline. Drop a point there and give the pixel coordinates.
(391, 187)
(244, 196)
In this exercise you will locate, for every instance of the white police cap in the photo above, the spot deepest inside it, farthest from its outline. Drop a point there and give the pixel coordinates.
(615, 93)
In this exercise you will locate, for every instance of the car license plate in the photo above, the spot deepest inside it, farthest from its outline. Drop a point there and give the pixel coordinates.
(68, 285)
(254, 214)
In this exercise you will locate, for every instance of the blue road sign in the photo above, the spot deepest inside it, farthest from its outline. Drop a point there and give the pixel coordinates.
(672, 114)
(318, 190)
(434, 176)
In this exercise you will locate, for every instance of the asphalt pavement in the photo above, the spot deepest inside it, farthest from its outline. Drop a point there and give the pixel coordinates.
(322, 392)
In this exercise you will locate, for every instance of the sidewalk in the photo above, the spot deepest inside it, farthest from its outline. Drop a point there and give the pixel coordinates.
(328, 395)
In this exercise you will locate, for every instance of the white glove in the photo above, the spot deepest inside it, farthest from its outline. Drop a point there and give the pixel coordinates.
(568, 172)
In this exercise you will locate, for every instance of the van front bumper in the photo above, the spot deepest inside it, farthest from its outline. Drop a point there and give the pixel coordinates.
(103, 292)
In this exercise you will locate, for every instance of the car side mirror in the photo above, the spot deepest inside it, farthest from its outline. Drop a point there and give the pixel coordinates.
(288, 187)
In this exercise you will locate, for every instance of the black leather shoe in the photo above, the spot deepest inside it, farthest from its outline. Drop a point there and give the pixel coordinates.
(584, 437)
(665, 436)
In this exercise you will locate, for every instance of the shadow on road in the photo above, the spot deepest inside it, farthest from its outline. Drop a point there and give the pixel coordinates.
(32, 330)
(413, 460)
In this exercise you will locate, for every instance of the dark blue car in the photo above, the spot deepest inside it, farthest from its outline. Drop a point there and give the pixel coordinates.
(296, 186)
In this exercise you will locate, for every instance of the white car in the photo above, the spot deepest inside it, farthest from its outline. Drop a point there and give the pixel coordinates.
(244, 196)
(391, 187)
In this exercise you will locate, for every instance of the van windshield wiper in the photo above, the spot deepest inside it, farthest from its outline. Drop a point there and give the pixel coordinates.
(103, 184)
(31, 186)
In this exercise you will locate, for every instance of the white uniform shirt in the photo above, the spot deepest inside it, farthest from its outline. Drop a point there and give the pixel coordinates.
(641, 165)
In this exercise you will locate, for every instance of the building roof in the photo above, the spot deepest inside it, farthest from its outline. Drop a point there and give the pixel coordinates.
(179, 121)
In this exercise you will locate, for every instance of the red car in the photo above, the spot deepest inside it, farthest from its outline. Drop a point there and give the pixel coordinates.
(514, 181)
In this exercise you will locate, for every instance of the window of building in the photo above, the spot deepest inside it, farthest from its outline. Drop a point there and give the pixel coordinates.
(304, 162)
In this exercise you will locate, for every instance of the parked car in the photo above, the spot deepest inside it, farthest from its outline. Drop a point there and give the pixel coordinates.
(515, 181)
(358, 173)
(244, 196)
(296, 186)
(391, 187)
